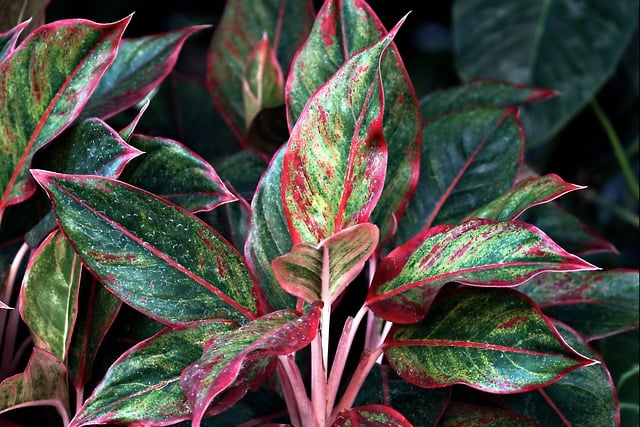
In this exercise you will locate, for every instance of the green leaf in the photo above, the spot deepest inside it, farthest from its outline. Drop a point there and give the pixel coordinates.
(243, 25)
(595, 303)
(228, 361)
(336, 157)
(569, 46)
(139, 67)
(334, 262)
(177, 174)
(525, 194)
(341, 29)
(478, 252)
(371, 415)
(44, 84)
(467, 415)
(143, 385)
(49, 295)
(135, 243)
(494, 340)
(469, 158)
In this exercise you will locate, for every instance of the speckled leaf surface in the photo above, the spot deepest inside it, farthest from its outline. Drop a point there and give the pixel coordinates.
(493, 340)
(335, 160)
(49, 294)
(135, 243)
(468, 415)
(322, 272)
(372, 416)
(43, 90)
(242, 26)
(143, 386)
(139, 67)
(177, 174)
(525, 194)
(226, 360)
(9, 38)
(478, 252)
(469, 158)
(567, 45)
(596, 303)
(341, 29)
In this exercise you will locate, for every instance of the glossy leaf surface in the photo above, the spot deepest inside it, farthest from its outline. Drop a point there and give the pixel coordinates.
(469, 158)
(569, 46)
(134, 242)
(143, 385)
(243, 24)
(371, 415)
(477, 252)
(225, 360)
(334, 262)
(341, 29)
(467, 415)
(49, 295)
(596, 303)
(336, 157)
(525, 194)
(177, 174)
(43, 90)
(139, 67)
(494, 340)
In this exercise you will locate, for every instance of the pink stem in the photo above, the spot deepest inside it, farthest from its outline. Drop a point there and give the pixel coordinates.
(297, 401)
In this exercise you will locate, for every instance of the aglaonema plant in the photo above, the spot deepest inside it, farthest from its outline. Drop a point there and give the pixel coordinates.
(377, 274)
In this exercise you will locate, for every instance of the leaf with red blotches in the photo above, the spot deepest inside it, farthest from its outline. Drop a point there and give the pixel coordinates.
(373, 415)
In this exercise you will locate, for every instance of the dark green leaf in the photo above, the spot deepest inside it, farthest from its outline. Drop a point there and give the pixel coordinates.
(466, 415)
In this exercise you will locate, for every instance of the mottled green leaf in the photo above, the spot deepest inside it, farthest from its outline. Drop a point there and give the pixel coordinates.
(494, 340)
(49, 295)
(322, 272)
(156, 257)
(478, 252)
(525, 194)
(172, 171)
(595, 303)
(44, 84)
(467, 415)
(229, 360)
(469, 158)
(566, 45)
(143, 386)
(372, 416)
(243, 25)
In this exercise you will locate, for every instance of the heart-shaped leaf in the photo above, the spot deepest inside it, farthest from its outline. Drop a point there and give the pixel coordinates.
(143, 386)
(477, 252)
(134, 242)
(336, 157)
(468, 415)
(525, 194)
(226, 359)
(139, 67)
(371, 415)
(49, 295)
(48, 88)
(571, 47)
(596, 303)
(332, 41)
(244, 23)
(322, 272)
(495, 340)
(9, 38)
(469, 158)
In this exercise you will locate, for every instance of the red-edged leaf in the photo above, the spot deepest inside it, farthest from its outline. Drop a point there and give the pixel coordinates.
(128, 130)
(243, 25)
(43, 382)
(135, 244)
(5, 306)
(227, 359)
(478, 252)
(596, 303)
(14, 11)
(336, 157)
(466, 415)
(139, 67)
(44, 85)
(323, 271)
(143, 386)
(371, 416)
(49, 295)
(9, 38)
(495, 340)
(332, 41)
(530, 192)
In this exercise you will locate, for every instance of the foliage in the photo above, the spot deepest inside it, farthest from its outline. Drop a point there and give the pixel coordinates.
(349, 255)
